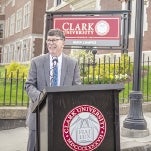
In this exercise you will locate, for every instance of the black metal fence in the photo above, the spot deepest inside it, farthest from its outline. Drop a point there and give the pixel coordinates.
(95, 70)
(12, 89)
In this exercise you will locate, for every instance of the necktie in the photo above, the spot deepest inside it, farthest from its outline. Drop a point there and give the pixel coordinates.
(54, 81)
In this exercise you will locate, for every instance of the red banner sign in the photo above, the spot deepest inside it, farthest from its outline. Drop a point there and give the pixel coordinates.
(91, 31)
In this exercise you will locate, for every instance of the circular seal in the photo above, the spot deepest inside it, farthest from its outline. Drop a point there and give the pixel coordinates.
(102, 28)
(84, 128)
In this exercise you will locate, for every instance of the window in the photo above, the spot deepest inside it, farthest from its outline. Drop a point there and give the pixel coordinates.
(18, 51)
(26, 17)
(1, 30)
(12, 48)
(15, 54)
(7, 28)
(12, 24)
(58, 2)
(5, 54)
(18, 20)
(26, 50)
(9, 55)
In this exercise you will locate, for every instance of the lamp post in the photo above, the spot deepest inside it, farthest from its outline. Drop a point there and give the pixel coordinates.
(135, 119)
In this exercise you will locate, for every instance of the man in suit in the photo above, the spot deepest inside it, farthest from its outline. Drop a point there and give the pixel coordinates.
(39, 76)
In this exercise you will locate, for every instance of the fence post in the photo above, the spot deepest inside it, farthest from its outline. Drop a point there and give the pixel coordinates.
(94, 51)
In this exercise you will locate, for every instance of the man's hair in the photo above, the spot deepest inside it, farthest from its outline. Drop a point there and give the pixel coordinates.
(56, 32)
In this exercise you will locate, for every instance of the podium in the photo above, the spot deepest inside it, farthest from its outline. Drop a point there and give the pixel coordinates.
(79, 118)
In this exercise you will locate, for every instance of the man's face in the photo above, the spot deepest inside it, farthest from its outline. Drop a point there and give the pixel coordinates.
(55, 45)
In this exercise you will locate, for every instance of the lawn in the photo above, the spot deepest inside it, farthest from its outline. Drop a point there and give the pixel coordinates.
(12, 93)
(145, 87)
(12, 90)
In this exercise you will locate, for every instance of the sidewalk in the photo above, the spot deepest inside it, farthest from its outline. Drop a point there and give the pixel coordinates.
(13, 139)
(16, 139)
(137, 144)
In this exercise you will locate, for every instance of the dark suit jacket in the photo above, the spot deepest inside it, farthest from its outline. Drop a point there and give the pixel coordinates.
(38, 79)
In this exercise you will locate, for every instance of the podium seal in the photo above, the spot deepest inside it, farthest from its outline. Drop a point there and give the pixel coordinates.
(84, 128)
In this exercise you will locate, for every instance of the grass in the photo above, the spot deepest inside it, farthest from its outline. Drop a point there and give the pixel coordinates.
(13, 95)
(12, 91)
(145, 88)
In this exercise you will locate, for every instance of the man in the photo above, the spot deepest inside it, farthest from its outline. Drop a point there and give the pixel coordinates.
(41, 76)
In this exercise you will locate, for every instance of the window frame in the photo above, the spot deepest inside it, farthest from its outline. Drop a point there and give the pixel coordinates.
(18, 20)
(12, 25)
(26, 15)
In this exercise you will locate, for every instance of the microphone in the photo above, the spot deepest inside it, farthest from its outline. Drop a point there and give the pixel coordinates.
(55, 60)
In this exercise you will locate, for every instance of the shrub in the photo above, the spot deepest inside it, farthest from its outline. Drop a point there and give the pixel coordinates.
(104, 71)
(16, 70)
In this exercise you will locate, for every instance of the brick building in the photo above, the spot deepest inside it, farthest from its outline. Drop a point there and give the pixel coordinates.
(22, 25)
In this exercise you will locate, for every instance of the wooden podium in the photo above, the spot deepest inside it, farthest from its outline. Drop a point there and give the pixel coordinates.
(79, 118)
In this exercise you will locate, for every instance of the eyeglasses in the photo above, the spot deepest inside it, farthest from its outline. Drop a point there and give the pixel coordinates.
(53, 40)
